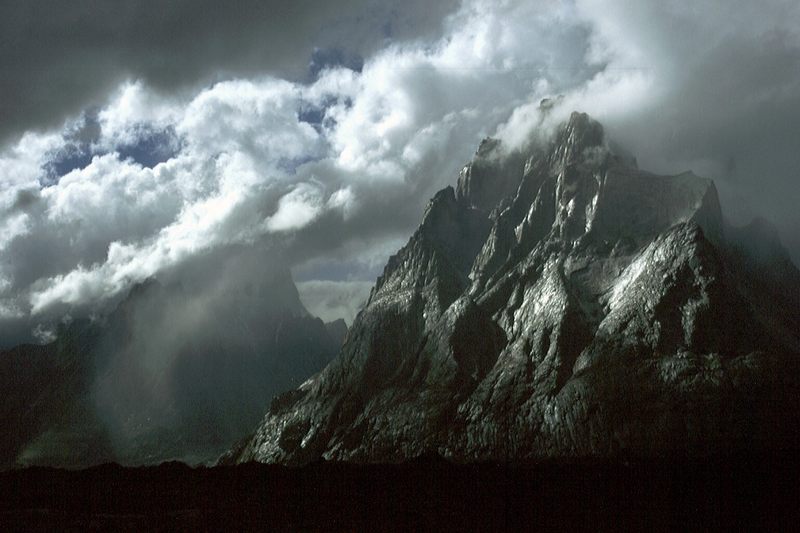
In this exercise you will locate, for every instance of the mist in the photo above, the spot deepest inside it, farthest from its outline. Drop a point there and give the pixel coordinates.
(182, 368)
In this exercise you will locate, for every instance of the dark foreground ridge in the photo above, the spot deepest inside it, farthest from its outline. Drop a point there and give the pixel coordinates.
(741, 492)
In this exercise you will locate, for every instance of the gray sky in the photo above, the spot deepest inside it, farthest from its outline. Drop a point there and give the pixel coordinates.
(60, 57)
(136, 137)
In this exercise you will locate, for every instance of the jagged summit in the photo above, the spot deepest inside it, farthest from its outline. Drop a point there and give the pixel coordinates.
(557, 302)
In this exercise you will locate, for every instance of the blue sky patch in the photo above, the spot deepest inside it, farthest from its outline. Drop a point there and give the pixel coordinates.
(315, 114)
(69, 158)
(152, 147)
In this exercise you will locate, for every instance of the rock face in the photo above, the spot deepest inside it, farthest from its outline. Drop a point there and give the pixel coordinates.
(164, 377)
(337, 329)
(559, 302)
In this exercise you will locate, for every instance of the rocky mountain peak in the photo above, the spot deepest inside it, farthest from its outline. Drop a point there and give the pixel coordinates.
(492, 175)
(558, 302)
(574, 138)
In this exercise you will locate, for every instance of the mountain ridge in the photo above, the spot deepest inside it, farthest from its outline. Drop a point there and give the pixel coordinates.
(579, 307)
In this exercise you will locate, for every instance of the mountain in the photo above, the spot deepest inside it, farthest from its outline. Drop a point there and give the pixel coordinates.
(337, 329)
(171, 373)
(559, 302)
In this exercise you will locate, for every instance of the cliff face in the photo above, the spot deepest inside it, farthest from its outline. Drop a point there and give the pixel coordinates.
(557, 302)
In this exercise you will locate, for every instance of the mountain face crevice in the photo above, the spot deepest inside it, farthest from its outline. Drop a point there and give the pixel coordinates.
(559, 302)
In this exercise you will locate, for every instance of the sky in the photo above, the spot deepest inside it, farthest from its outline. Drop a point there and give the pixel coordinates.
(138, 139)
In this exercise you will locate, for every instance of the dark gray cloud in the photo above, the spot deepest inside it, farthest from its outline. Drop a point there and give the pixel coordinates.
(59, 57)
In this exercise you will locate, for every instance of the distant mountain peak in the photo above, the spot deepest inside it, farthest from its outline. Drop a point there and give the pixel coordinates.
(175, 371)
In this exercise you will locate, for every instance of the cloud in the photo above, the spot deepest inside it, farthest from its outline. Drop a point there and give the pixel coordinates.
(711, 87)
(296, 209)
(57, 59)
(722, 95)
(331, 300)
(324, 169)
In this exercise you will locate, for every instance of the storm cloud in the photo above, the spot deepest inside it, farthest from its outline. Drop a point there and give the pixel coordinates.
(138, 140)
(58, 58)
